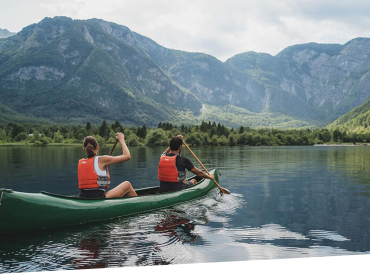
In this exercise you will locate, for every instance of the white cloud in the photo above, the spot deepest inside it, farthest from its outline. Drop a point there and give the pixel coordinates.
(220, 28)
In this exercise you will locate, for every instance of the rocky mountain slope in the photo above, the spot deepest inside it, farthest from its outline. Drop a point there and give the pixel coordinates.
(69, 70)
(312, 82)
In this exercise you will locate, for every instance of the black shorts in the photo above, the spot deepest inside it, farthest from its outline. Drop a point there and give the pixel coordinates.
(97, 194)
(170, 187)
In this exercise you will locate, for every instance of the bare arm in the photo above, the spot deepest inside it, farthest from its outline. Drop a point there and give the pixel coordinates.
(201, 174)
(167, 150)
(108, 160)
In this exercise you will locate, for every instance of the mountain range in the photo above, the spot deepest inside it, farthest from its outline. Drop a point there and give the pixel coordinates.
(73, 71)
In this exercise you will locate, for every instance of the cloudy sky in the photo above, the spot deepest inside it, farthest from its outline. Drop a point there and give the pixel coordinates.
(221, 28)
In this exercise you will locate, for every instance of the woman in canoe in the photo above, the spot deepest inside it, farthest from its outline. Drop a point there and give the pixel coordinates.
(93, 173)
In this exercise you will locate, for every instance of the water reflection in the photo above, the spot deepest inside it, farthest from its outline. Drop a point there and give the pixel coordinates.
(87, 257)
(175, 226)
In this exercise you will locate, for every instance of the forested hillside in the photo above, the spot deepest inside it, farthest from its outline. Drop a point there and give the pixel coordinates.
(357, 120)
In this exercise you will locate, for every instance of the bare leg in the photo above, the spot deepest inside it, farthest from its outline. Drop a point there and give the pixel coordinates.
(188, 184)
(123, 189)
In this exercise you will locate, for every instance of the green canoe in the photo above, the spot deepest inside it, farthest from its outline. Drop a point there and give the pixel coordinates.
(27, 211)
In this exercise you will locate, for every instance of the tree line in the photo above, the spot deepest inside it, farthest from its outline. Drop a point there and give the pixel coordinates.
(206, 133)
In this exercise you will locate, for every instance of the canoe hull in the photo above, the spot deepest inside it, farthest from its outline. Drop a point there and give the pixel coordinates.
(26, 211)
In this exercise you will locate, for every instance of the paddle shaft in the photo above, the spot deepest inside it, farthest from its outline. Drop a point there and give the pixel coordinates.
(221, 189)
(111, 151)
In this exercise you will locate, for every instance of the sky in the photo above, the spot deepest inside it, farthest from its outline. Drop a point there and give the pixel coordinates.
(221, 28)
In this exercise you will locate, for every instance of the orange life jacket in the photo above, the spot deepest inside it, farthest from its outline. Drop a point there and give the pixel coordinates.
(87, 177)
(167, 171)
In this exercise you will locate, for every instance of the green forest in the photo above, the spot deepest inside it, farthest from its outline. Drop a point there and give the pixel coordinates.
(206, 133)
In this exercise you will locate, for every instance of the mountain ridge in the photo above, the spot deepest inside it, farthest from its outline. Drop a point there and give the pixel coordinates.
(268, 79)
(103, 62)
(5, 33)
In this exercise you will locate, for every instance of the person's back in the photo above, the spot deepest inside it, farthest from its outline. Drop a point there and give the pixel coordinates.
(93, 173)
(92, 181)
(172, 172)
(172, 168)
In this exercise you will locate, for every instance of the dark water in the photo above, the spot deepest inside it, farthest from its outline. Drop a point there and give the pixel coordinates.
(286, 202)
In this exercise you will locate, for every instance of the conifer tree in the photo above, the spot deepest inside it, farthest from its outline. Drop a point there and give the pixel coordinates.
(103, 131)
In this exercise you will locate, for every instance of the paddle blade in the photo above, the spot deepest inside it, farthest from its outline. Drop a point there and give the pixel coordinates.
(225, 191)
(222, 190)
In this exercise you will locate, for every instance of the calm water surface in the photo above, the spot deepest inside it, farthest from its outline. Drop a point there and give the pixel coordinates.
(286, 202)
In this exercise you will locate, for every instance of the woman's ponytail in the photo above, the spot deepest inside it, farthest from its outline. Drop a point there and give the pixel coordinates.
(90, 146)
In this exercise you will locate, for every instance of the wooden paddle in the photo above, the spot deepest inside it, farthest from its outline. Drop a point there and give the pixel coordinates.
(111, 151)
(221, 189)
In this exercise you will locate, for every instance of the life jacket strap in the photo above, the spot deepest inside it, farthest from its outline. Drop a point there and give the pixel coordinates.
(103, 181)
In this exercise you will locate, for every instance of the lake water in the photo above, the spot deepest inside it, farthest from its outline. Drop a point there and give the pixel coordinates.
(285, 202)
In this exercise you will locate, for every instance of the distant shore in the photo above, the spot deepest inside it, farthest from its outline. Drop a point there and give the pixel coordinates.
(36, 145)
(341, 145)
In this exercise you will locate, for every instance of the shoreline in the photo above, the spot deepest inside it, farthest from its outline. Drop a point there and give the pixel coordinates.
(340, 145)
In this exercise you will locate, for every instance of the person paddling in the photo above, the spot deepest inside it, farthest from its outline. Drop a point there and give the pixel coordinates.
(172, 168)
(93, 173)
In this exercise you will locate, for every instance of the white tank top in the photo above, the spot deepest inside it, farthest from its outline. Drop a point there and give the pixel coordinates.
(98, 171)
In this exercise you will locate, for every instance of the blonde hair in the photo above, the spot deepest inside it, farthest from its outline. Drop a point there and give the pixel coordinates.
(90, 146)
